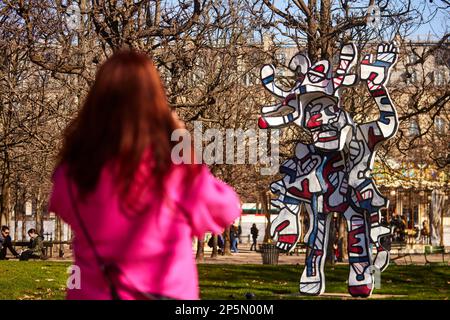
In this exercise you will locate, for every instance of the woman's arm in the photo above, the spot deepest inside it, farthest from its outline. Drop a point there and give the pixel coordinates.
(211, 203)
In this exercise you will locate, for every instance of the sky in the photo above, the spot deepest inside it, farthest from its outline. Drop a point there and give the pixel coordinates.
(436, 24)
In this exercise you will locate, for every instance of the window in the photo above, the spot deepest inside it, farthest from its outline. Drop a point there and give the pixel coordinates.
(411, 77)
(281, 58)
(441, 125)
(442, 57)
(414, 129)
(248, 79)
(412, 58)
(439, 77)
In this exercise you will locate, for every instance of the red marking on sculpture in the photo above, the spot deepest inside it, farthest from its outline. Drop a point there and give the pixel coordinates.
(288, 238)
(377, 93)
(318, 252)
(314, 121)
(282, 225)
(353, 241)
(374, 218)
(319, 68)
(360, 291)
(372, 76)
(262, 123)
(329, 169)
(304, 193)
(373, 139)
(326, 139)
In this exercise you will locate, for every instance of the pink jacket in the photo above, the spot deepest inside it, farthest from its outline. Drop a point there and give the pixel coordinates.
(154, 249)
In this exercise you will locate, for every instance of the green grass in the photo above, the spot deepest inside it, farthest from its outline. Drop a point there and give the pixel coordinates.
(281, 282)
(46, 280)
(33, 279)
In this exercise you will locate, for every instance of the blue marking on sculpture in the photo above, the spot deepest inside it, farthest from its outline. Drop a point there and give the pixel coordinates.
(268, 79)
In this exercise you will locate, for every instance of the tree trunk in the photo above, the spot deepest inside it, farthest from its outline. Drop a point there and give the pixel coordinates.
(157, 14)
(57, 234)
(200, 250)
(60, 232)
(342, 239)
(24, 228)
(325, 28)
(215, 251)
(313, 44)
(5, 202)
(38, 217)
(227, 241)
(5, 205)
(304, 222)
(265, 209)
(441, 229)
(16, 212)
(331, 238)
(319, 24)
(16, 222)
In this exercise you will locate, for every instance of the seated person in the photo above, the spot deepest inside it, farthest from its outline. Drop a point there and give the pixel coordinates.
(36, 247)
(6, 243)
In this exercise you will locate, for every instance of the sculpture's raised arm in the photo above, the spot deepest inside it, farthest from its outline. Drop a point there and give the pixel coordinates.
(376, 74)
(288, 110)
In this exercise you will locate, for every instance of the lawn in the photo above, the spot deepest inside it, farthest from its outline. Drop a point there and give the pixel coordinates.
(46, 280)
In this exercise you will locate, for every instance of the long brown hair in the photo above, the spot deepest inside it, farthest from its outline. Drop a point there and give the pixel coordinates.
(125, 114)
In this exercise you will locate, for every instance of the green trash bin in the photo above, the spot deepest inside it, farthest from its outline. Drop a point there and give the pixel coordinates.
(269, 253)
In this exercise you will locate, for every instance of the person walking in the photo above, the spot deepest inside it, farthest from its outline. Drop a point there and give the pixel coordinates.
(254, 232)
(132, 207)
(220, 244)
(234, 238)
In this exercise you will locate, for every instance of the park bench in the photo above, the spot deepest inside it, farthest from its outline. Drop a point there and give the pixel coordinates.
(402, 252)
(300, 247)
(411, 235)
(428, 250)
(48, 247)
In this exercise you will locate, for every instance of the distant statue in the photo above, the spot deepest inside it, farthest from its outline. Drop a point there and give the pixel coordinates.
(437, 206)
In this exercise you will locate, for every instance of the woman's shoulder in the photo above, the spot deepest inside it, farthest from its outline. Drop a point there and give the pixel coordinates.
(187, 173)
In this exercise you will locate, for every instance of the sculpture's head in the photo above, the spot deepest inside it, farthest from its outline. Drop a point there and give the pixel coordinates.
(315, 86)
(327, 122)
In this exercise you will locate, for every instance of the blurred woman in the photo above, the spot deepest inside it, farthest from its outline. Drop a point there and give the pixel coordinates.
(132, 210)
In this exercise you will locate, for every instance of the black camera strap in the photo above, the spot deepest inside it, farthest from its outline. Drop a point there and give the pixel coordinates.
(107, 269)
